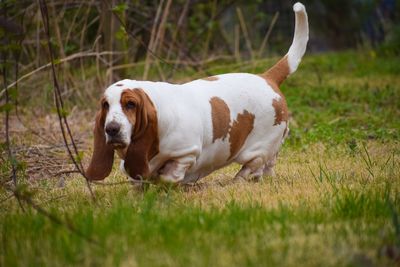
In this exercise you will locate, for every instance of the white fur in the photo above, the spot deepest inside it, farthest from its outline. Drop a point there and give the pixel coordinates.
(299, 44)
(116, 114)
(185, 123)
(185, 128)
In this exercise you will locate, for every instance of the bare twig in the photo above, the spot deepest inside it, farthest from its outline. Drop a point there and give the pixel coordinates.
(59, 102)
(11, 157)
(19, 195)
(86, 16)
(69, 58)
(72, 24)
(152, 53)
(15, 83)
(210, 31)
(57, 30)
(37, 40)
(245, 32)
(237, 43)
(265, 40)
(161, 28)
(187, 53)
(7, 119)
(160, 36)
(150, 50)
(142, 43)
(225, 38)
(178, 27)
(177, 61)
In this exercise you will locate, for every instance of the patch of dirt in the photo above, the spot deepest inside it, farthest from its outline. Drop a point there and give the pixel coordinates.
(38, 145)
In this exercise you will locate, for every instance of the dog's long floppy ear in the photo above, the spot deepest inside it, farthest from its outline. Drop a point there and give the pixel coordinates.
(142, 114)
(144, 140)
(103, 154)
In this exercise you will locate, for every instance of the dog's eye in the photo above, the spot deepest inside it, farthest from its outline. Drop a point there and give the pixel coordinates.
(130, 105)
(105, 105)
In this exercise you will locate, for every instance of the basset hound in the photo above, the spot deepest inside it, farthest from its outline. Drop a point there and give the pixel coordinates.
(183, 132)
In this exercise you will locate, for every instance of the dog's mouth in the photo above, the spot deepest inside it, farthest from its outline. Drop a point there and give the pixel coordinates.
(117, 144)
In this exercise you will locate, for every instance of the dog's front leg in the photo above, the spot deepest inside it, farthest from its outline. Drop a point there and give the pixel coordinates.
(174, 170)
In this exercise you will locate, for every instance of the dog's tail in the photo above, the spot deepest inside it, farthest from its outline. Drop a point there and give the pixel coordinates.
(289, 63)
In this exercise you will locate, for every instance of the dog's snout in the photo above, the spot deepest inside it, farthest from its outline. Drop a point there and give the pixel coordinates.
(112, 129)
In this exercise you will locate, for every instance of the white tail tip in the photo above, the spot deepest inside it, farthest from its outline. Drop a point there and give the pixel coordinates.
(298, 7)
(300, 39)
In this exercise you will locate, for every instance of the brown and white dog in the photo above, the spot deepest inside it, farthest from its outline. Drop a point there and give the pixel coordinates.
(183, 132)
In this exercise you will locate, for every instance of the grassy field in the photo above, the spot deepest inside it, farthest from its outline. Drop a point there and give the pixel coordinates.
(334, 202)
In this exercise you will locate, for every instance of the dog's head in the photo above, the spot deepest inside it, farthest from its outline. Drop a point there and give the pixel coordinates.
(125, 123)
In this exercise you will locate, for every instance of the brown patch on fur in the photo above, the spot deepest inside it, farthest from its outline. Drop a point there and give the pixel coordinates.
(220, 114)
(126, 96)
(144, 140)
(119, 84)
(211, 78)
(103, 154)
(274, 77)
(281, 113)
(278, 73)
(241, 128)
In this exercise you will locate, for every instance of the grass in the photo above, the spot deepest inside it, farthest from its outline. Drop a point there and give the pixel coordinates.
(334, 202)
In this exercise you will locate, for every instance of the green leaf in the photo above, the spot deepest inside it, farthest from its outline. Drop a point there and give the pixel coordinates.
(13, 93)
(6, 107)
(121, 34)
(79, 157)
(68, 48)
(63, 112)
(120, 8)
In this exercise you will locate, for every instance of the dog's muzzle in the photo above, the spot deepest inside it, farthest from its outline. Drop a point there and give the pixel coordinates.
(113, 131)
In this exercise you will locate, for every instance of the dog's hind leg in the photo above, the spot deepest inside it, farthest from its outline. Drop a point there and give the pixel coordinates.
(252, 168)
(269, 166)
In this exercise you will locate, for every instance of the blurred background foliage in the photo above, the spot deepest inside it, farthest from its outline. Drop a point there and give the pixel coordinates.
(97, 42)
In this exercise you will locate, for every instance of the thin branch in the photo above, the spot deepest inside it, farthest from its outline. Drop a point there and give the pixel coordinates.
(59, 102)
(237, 43)
(245, 32)
(7, 119)
(60, 61)
(266, 38)
(197, 39)
(178, 27)
(152, 53)
(210, 31)
(152, 41)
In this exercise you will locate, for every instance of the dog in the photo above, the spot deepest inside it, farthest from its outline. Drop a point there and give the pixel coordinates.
(182, 132)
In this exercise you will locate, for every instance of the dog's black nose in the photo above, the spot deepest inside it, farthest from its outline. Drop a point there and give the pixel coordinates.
(112, 129)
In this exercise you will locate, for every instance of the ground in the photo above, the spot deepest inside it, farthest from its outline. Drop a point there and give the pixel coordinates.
(334, 202)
